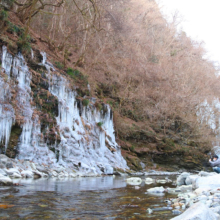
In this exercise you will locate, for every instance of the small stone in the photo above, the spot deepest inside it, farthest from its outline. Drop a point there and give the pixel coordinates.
(15, 176)
(37, 174)
(176, 212)
(27, 174)
(168, 202)
(191, 179)
(44, 175)
(156, 190)
(11, 171)
(59, 169)
(149, 181)
(5, 181)
(134, 181)
(72, 175)
(161, 181)
(3, 157)
(168, 180)
(2, 166)
(9, 165)
(187, 188)
(181, 179)
(33, 166)
(150, 211)
(183, 207)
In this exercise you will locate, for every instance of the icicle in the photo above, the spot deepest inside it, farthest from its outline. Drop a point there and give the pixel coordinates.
(30, 146)
(7, 60)
(44, 55)
(32, 54)
(6, 121)
(6, 110)
(77, 144)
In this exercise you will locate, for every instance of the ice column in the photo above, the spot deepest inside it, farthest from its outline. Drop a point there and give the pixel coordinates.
(82, 140)
(6, 109)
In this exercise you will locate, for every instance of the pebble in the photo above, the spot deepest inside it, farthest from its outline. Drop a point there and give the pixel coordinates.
(150, 211)
(134, 181)
(161, 181)
(176, 212)
(168, 202)
(149, 181)
(189, 194)
(156, 190)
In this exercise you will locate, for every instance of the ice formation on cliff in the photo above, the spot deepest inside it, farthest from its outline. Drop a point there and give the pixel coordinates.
(87, 135)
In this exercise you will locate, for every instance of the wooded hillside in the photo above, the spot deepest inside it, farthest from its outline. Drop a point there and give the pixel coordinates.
(154, 77)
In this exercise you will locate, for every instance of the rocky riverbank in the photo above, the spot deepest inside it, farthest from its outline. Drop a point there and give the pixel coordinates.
(198, 196)
(195, 196)
(200, 193)
(12, 169)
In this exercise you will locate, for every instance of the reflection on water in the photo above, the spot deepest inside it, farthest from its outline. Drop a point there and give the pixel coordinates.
(73, 185)
(80, 198)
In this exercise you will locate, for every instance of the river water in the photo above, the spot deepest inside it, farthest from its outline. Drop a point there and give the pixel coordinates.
(104, 197)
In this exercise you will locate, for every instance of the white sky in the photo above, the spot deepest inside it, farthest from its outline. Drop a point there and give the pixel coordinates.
(201, 20)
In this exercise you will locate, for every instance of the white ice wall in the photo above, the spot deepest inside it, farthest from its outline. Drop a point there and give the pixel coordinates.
(6, 109)
(84, 144)
(82, 141)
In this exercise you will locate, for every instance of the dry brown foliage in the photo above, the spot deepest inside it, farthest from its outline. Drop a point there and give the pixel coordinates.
(140, 59)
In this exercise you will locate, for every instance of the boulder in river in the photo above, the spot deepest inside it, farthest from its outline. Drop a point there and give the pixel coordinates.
(190, 180)
(149, 181)
(197, 211)
(5, 181)
(156, 190)
(4, 159)
(134, 181)
(27, 174)
(205, 174)
(181, 179)
(208, 182)
(162, 181)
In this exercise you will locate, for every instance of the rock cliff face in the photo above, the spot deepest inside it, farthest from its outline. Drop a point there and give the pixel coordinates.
(43, 121)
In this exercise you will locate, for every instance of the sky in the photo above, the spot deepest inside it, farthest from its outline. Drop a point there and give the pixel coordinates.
(200, 21)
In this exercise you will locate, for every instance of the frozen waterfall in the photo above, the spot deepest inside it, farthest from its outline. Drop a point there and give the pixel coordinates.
(82, 140)
(6, 109)
(87, 135)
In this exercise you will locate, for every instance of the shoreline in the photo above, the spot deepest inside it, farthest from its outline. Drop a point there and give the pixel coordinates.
(196, 196)
(16, 169)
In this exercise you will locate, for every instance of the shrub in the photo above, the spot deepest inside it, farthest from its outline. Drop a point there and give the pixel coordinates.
(70, 71)
(100, 124)
(3, 15)
(98, 106)
(24, 43)
(132, 147)
(110, 103)
(12, 28)
(85, 102)
(77, 75)
(59, 65)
